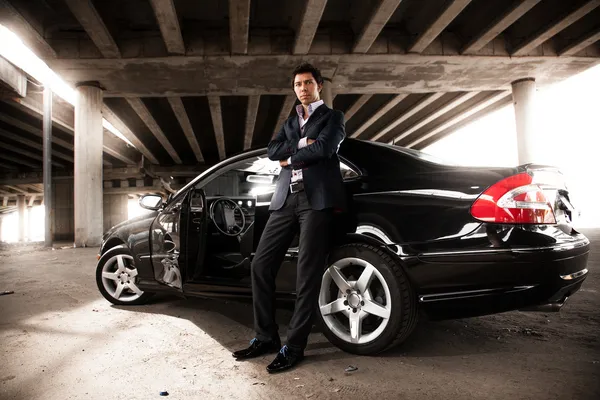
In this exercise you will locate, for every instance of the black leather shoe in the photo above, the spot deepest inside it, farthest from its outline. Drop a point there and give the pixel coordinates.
(285, 360)
(257, 348)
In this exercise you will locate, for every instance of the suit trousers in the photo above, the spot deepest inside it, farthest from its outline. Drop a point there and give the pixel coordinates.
(314, 241)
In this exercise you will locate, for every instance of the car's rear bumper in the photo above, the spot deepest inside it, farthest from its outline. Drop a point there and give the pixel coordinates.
(537, 278)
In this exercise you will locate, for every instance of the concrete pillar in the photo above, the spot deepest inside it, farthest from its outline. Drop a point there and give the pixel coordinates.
(47, 140)
(21, 207)
(326, 94)
(523, 91)
(88, 165)
(1, 219)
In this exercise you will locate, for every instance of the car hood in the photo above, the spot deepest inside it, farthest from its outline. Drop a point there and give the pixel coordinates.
(129, 223)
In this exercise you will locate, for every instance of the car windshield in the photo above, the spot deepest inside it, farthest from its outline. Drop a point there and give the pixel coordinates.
(234, 159)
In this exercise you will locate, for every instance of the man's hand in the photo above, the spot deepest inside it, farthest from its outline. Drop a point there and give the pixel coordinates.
(283, 163)
(310, 141)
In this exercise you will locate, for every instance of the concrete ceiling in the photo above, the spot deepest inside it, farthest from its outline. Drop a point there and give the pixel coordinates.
(189, 83)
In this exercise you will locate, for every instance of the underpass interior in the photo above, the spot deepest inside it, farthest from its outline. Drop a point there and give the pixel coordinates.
(102, 102)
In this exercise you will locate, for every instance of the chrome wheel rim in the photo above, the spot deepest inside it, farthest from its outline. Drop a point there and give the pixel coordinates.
(355, 301)
(119, 278)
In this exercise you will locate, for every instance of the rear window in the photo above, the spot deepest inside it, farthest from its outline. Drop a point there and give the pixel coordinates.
(424, 156)
(417, 154)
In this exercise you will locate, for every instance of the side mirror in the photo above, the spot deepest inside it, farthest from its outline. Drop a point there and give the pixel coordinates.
(151, 202)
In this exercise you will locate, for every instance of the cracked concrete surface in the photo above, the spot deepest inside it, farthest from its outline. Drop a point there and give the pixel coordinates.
(59, 339)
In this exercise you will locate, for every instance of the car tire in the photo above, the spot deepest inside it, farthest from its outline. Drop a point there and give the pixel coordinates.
(116, 277)
(383, 315)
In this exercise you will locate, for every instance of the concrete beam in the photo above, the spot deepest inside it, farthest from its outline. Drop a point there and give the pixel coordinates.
(16, 189)
(581, 43)
(311, 16)
(139, 107)
(13, 81)
(36, 195)
(288, 103)
(63, 116)
(380, 16)
(462, 116)
(179, 170)
(214, 103)
(35, 188)
(134, 190)
(251, 112)
(17, 23)
(380, 113)
(351, 73)
(31, 129)
(427, 100)
(545, 34)
(7, 166)
(35, 145)
(186, 126)
(32, 177)
(432, 117)
(436, 27)
(118, 155)
(155, 171)
(239, 23)
(498, 26)
(18, 150)
(362, 100)
(19, 161)
(90, 20)
(166, 16)
(111, 117)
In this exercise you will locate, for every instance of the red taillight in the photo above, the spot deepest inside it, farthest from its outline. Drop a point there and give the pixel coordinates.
(514, 200)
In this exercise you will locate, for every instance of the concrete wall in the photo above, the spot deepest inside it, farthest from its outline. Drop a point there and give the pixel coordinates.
(115, 209)
(63, 222)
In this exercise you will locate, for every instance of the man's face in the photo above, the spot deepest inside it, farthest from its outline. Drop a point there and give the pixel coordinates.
(306, 88)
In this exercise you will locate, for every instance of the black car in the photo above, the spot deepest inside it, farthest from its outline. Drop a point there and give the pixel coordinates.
(422, 237)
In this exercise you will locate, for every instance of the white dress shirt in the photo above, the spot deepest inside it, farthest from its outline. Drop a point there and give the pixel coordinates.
(297, 174)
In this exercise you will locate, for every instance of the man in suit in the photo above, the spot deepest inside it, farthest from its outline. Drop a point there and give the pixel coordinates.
(309, 190)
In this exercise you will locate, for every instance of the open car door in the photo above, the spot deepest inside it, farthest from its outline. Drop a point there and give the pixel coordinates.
(194, 219)
(165, 239)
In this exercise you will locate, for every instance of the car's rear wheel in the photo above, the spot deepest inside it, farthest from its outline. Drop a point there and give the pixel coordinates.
(366, 303)
(117, 278)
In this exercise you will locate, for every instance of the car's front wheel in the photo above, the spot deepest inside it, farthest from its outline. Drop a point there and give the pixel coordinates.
(116, 277)
(366, 303)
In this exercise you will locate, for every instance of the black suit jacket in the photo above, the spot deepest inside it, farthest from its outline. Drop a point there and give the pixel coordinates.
(319, 161)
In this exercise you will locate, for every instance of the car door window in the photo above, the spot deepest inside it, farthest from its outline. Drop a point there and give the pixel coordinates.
(254, 178)
(347, 171)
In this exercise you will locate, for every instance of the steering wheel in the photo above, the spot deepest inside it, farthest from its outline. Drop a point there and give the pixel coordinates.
(228, 212)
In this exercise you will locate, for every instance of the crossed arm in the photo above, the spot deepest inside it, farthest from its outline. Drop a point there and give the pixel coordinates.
(299, 154)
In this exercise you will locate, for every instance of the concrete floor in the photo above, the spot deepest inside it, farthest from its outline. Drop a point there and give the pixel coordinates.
(59, 339)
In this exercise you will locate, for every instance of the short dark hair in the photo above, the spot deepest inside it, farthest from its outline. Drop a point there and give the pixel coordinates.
(304, 68)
